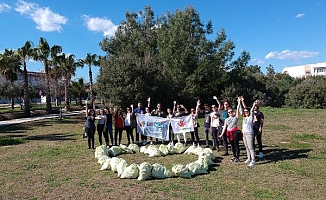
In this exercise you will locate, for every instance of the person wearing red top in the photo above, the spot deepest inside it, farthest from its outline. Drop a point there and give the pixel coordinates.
(118, 126)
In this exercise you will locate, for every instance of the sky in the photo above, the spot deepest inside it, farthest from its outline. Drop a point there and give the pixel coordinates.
(275, 32)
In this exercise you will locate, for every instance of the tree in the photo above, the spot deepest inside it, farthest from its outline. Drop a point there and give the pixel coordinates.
(42, 54)
(56, 75)
(309, 93)
(25, 53)
(170, 53)
(78, 90)
(91, 59)
(68, 64)
(9, 67)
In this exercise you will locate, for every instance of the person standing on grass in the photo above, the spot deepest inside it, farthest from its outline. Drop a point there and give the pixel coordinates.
(223, 111)
(108, 131)
(159, 113)
(194, 134)
(139, 110)
(118, 126)
(216, 124)
(248, 132)
(180, 110)
(127, 125)
(258, 128)
(171, 134)
(232, 131)
(207, 123)
(101, 125)
(90, 125)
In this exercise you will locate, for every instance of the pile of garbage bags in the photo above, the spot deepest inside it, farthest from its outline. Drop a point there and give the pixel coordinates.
(107, 158)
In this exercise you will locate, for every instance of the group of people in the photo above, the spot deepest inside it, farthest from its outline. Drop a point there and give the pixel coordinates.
(220, 121)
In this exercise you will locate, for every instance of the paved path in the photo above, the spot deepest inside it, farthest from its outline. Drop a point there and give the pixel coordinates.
(28, 119)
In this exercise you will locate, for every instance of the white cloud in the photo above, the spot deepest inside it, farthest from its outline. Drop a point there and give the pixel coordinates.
(299, 15)
(4, 7)
(258, 61)
(98, 24)
(290, 55)
(45, 19)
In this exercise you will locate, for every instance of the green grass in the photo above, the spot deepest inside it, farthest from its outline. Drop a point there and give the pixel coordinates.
(4, 141)
(52, 156)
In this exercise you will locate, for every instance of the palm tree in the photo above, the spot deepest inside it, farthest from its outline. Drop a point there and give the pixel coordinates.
(68, 65)
(43, 52)
(78, 89)
(9, 66)
(91, 59)
(56, 76)
(25, 53)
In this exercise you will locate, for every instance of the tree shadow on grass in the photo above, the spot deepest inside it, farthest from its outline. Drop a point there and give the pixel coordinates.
(280, 154)
(51, 137)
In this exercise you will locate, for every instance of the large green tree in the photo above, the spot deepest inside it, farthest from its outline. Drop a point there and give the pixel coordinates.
(168, 58)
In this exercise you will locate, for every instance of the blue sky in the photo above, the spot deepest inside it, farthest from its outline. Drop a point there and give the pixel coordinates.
(277, 32)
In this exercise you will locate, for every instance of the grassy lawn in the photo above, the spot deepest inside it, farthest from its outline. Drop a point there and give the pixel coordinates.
(50, 160)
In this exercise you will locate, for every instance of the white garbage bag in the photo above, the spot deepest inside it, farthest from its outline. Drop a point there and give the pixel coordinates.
(164, 149)
(145, 169)
(181, 171)
(196, 168)
(106, 165)
(115, 151)
(160, 171)
(180, 148)
(114, 162)
(134, 147)
(132, 171)
(121, 166)
(100, 151)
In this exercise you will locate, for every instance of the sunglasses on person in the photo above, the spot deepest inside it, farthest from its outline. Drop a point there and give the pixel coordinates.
(231, 111)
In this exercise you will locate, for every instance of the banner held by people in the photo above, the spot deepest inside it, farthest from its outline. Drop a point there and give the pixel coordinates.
(182, 124)
(156, 127)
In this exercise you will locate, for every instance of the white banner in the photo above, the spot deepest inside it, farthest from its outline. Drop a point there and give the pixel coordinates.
(156, 127)
(182, 124)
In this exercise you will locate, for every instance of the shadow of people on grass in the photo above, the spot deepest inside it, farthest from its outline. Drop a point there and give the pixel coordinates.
(279, 154)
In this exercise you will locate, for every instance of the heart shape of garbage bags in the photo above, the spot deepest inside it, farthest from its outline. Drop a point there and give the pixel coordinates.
(107, 158)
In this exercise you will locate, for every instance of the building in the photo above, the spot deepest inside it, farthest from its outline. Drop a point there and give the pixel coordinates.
(34, 78)
(318, 69)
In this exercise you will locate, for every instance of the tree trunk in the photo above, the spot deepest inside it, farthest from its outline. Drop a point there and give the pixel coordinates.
(47, 88)
(91, 82)
(67, 106)
(27, 111)
(12, 103)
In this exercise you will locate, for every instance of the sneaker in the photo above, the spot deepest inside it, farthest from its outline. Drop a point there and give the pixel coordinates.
(252, 163)
(232, 159)
(247, 161)
(235, 160)
(261, 155)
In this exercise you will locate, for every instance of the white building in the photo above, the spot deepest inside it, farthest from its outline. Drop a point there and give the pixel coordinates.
(318, 69)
